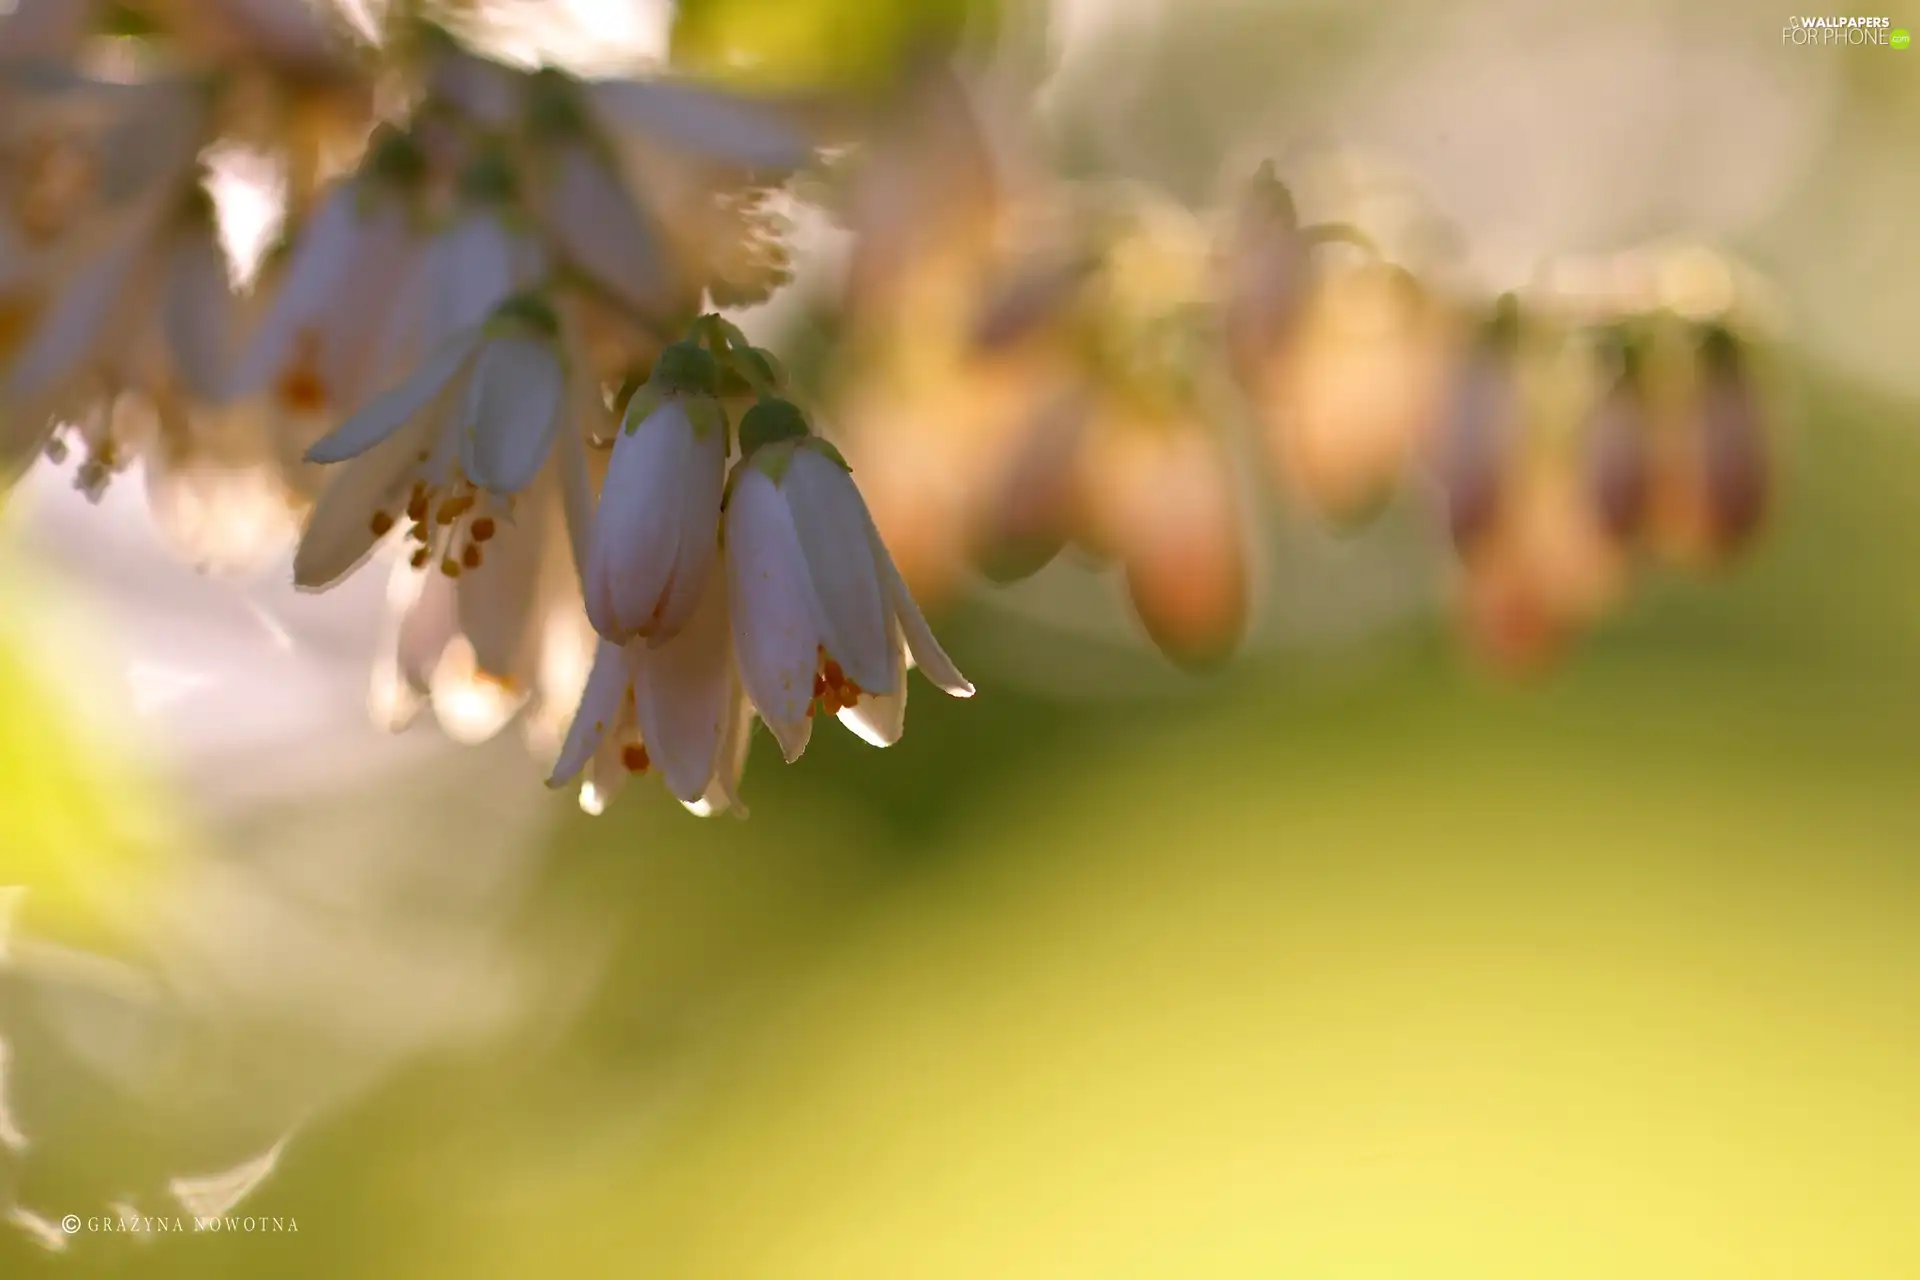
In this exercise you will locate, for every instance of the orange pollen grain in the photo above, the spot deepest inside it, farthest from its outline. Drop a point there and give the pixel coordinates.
(450, 566)
(482, 529)
(471, 556)
(381, 524)
(634, 757)
(419, 558)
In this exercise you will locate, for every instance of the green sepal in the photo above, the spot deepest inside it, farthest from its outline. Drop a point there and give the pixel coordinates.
(721, 332)
(771, 422)
(489, 178)
(750, 371)
(394, 158)
(640, 406)
(773, 461)
(531, 311)
(705, 415)
(686, 367)
(553, 110)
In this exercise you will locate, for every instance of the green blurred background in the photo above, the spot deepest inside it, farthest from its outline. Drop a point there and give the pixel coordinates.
(1350, 963)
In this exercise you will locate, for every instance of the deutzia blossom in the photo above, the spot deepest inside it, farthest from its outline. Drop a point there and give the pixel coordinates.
(476, 646)
(486, 646)
(587, 209)
(658, 524)
(339, 320)
(820, 614)
(152, 312)
(483, 255)
(447, 449)
(677, 707)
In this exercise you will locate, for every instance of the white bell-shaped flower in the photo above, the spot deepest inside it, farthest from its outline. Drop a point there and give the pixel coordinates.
(340, 318)
(676, 707)
(821, 618)
(447, 449)
(657, 528)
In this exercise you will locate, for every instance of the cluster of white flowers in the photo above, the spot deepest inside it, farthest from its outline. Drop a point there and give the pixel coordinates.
(480, 266)
(473, 258)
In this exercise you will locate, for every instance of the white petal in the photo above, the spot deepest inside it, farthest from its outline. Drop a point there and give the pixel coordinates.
(599, 712)
(377, 321)
(576, 484)
(681, 690)
(830, 519)
(398, 407)
(707, 123)
(514, 401)
(325, 256)
(75, 329)
(595, 221)
(657, 526)
(420, 625)
(499, 600)
(484, 91)
(474, 271)
(339, 532)
(428, 623)
(882, 718)
(730, 762)
(926, 651)
(697, 540)
(775, 639)
(200, 316)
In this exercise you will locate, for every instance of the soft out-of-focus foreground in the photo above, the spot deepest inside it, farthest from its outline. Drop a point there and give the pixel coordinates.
(1568, 937)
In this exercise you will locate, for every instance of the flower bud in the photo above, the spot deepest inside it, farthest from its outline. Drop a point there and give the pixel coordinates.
(1615, 450)
(1733, 447)
(1480, 431)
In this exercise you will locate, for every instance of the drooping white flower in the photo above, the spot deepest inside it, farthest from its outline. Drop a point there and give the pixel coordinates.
(657, 527)
(702, 162)
(677, 707)
(480, 648)
(513, 640)
(447, 449)
(820, 614)
(483, 255)
(345, 306)
(578, 193)
(152, 313)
